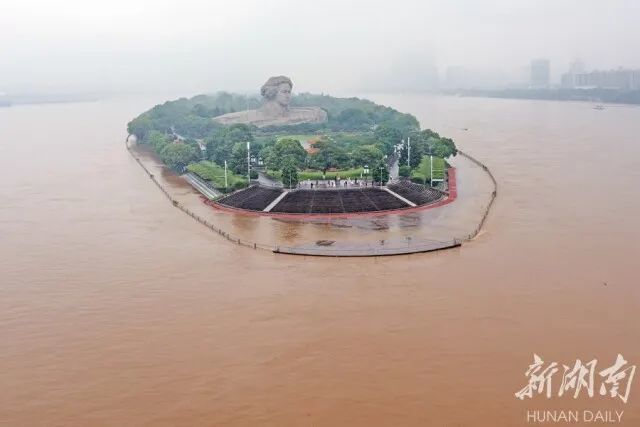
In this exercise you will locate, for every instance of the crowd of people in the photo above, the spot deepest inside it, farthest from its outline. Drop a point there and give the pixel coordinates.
(335, 183)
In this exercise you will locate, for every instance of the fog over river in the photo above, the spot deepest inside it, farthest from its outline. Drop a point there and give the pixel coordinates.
(118, 309)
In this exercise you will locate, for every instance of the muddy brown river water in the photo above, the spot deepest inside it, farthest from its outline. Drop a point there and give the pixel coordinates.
(117, 309)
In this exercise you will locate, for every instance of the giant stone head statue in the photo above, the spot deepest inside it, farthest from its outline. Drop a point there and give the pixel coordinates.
(277, 89)
(275, 109)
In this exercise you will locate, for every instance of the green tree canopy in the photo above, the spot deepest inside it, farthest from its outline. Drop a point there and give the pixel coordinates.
(178, 156)
(424, 143)
(289, 148)
(220, 145)
(380, 172)
(238, 162)
(443, 147)
(237, 133)
(157, 140)
(140, 127)
(388, 137)
(366, 155)
(329, 155)
(289, 172)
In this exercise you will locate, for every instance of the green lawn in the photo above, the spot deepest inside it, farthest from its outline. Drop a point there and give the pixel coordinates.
(309, 174)
(422, 172)
(215, 174)
(300, 138)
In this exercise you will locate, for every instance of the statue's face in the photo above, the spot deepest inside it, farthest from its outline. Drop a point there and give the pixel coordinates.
(283, 96)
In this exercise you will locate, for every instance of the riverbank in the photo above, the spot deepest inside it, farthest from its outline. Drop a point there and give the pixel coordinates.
(600, 96)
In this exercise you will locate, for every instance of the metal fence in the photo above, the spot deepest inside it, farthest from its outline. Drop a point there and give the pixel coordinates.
(195, 216)
(494, 194)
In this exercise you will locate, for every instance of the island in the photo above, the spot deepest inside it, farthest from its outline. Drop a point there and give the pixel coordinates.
(299, 154)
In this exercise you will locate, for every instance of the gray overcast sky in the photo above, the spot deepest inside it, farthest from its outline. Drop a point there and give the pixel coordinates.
(195, 46)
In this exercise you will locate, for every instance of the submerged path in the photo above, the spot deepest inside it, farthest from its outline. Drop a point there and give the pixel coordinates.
(202, 187)
(381, 248)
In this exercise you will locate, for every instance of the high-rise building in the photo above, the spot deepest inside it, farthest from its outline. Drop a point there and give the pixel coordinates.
(619, 79)
(540, 73)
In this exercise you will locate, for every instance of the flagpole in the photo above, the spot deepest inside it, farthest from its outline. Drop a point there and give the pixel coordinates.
(249, 162)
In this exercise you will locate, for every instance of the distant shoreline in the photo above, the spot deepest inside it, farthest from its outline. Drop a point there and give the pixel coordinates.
(598, 96)
(35, 99)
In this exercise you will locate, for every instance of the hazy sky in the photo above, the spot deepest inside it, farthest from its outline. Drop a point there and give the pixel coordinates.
(324, 45)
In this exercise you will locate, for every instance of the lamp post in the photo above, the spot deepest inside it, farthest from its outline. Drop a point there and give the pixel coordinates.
(430, 169)
(384, 161)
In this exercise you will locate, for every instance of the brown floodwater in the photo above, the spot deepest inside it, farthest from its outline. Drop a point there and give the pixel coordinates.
(118, 309)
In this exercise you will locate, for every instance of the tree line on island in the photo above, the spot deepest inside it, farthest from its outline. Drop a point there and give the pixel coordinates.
(358, 134)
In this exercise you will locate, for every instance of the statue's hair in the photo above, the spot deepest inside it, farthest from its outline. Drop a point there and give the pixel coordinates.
(270, 88)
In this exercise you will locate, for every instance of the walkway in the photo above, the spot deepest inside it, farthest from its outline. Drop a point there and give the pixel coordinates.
(396, 195)
(266, 181)
(201, 186)
(275, 202)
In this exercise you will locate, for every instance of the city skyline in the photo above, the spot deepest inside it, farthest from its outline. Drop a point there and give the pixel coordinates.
(194, 47)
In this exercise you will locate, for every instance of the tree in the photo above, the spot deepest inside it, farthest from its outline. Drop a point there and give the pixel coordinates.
(140, 127)
(288, 147)
(366, 156)
(157, 140)
(178, 156)
(289, 172)
(237, 133)
(193, 143)
(380, 173)
(194, 126)
(404, 171)
(388, 137)
(418, 147)
(218, 151)
(221, 144)
(424, 143)
(329, 155)
(238, 160)
(269, 158)
(442, 147)
(353, 119)
(202, 111)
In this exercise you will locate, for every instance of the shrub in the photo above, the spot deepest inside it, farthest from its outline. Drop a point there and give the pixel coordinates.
(240, 184)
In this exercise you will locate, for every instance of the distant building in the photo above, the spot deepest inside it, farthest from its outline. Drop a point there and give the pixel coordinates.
(540, 73)
(620, 79)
